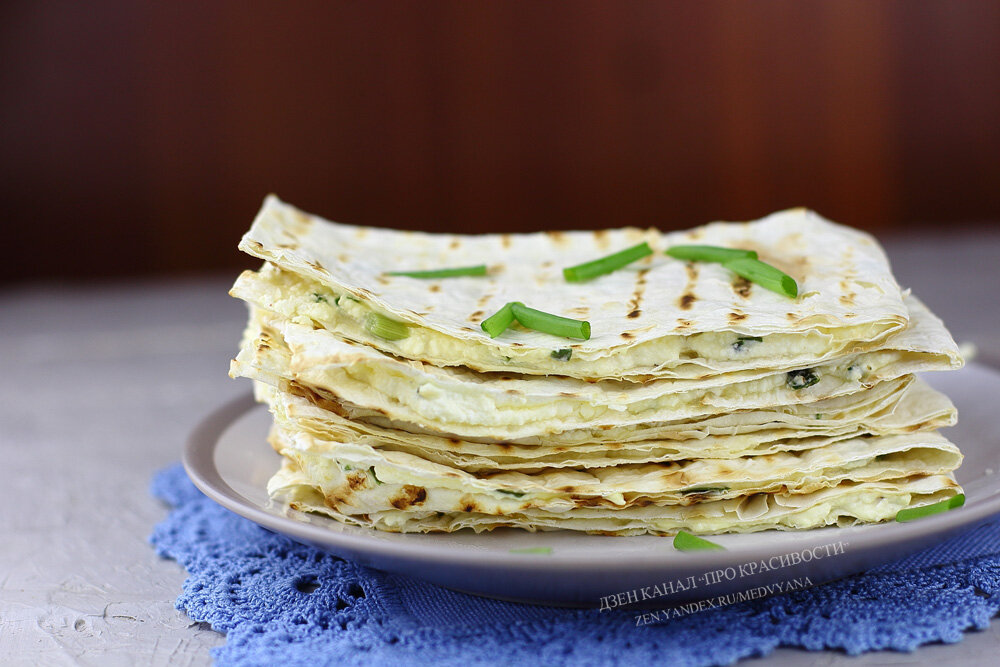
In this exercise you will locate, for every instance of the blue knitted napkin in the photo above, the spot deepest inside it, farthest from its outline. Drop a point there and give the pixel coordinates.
(280, 602)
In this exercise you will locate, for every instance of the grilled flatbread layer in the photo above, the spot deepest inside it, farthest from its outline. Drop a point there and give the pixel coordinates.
(464, 403)
(893, 407)
(845, 504)
(659, 317)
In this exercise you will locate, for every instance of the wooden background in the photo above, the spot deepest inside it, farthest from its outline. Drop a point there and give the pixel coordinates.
(139, 138)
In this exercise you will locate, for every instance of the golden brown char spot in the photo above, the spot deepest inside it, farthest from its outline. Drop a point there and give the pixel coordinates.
(434, 288)
(587, 501)
(407, 496)
(469, 504)
(792, 316)
(567, 489)
(505, 240)
(547, 264)
(634, 314)
(365, 293)
(692, 271)
(737, 316)
(686, 301)
(742, 286)
(382, 279)
(360, 232)
(638, 290)
(454, 441)
(626, 335)
(505, 446)
(483, 300)
(567, 393)
(557, 237)
(580, 310)
(683, 324)
(474, 317)
(317, 266)
(455, 244)
(513, 392)
(848, 299)
(256, 244)
(357, 480)
(343, 259)
(601, 239)
(517, 344)
(467, 329)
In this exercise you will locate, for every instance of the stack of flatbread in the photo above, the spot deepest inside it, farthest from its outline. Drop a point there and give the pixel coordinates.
(701, 401)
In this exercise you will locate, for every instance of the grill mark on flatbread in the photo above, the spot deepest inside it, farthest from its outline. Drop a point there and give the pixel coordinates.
(434, 288)
(582, 311)
(357, 480)
(742, 287)
(505, 241)
(557, 237)
(683, 324)
(737, 316)
(408, 495)
(474, 317)
(382, 279)
(687, 299)
(635, 302)
(484, 299)
(343, 259)
(319, 267)
(455, 244)
(601, 239)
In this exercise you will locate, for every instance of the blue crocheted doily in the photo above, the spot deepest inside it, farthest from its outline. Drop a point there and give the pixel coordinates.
(280, 602)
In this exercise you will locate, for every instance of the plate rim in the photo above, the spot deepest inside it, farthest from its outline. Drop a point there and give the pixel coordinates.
(199, 463)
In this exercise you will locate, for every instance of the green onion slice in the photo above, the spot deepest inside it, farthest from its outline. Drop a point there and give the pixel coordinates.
(764, 275)
(709, 253)
(912, 513)
(498, 322)
(477, 270)
(533, 550)
(564, 354)
(384, 327)
(612, 262)
(549, 323)
(688, 542)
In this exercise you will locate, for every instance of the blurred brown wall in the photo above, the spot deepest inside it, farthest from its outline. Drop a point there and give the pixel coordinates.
(141, 137)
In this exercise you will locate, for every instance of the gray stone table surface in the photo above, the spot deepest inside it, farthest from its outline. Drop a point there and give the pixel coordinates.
(99, 387)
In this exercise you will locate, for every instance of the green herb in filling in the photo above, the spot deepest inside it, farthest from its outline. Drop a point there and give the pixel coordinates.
(384, 327)
(563, 355)
(743, 341)
(516, 494)
(319, 298)
(802, 378)
(704, 489)
(371, 471)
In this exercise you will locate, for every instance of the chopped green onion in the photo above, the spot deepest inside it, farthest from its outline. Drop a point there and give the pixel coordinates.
(371, 471)
(498, 322)
(384, 327)
(317, 297)
(688, 542)
(911, 513)
(564, 354)
(742, 341)
(549, 323)
(764, 275)
(477, 270)
(703, 489)
(516, 494)
(533, 550)
(613, 262)
(709, 253)
(802, 378)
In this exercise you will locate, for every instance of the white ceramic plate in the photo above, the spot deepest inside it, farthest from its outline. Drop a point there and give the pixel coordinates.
(229, 459)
